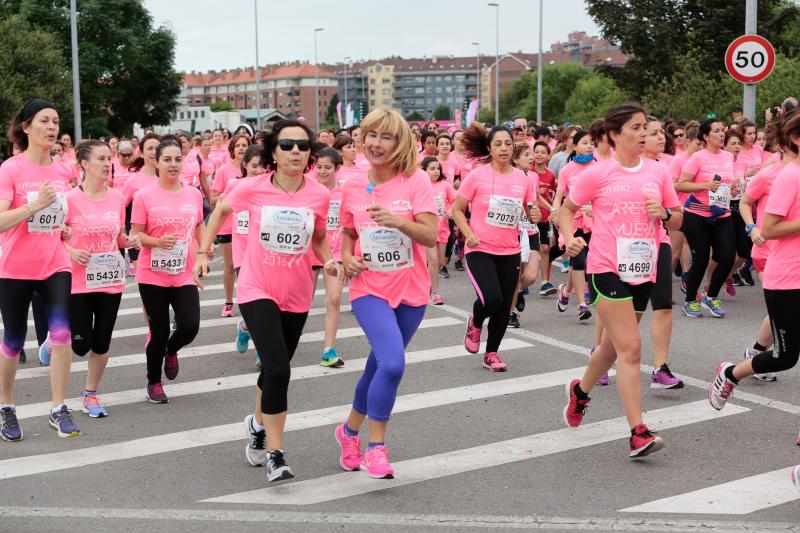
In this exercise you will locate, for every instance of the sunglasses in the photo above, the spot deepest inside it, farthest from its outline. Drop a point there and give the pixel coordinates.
(680, 135)
(304, 145)
(125, 155)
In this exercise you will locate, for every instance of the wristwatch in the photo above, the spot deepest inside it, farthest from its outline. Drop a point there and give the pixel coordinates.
(749, 229)
(668, 211)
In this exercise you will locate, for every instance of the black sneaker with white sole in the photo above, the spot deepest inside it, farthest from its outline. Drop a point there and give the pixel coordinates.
(277, 469)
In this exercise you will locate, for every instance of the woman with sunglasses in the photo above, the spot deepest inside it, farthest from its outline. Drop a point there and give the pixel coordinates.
(275, 286)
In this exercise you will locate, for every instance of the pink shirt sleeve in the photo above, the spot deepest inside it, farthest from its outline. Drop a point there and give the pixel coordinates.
(669, 197)
(468, 186)
(779, 203)
(345, 215)
(139, 211)
(6, 184)
(691, 167)
(585, 189)
(757, 186)
(422, 200)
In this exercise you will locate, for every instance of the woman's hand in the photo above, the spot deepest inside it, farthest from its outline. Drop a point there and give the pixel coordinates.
(200, 269)
(167, 242)
(575, 245)
(384, 218)
(353, 265)
(712, 185)
(81, 257)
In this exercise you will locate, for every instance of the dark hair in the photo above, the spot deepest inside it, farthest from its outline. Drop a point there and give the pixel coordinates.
(332, 154)
(270, 143)
(542, 130)
(432, 159)
(165, 143)
(444, 136)
(138, 163)
(788, 126)
(342, 140)
(733, 133)
(618, 116)
(425, 134)
(252, 151)
(705, 128)
(85, 148)
(736, 109)
(23, 118)
(542, 143)
(477, 141)
(597, 131)
(235, 139)
(519, 148)
(580, 134)
(772, 137)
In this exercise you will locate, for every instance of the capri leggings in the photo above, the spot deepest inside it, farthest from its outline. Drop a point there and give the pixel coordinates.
(782, 309)
(39, 317)
(579, 261)
(157, 300)
(702, 236)
(743, 243)
(275, 334)
(15, 299)
(389, 331)
(92, 316)
(494, 278)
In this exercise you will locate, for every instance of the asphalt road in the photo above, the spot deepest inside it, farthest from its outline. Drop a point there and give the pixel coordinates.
(472, 450)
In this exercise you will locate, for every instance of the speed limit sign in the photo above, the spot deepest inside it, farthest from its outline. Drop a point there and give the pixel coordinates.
(750, 58)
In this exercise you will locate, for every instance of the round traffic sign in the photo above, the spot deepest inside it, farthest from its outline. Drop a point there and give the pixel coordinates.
(750, 58)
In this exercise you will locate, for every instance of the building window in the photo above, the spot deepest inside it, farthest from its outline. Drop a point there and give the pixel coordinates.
(203, 114)
(372, 81)
(386, 80)
(372, 92)
(385, 92)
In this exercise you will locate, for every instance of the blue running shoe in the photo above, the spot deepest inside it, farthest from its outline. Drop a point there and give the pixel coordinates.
(92, 407)
(9, 425)
(62, 422)
(713, 306)
(692, 309)
(45, 351)
(330, 358)
(242, 338)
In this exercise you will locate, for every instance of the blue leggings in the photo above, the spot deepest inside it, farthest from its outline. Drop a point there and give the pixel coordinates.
(389, 331)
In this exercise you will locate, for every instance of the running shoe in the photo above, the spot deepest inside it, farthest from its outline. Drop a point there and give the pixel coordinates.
(576, 408)
(692, 309)
(9, 425)
(330, 358)
(45, 352)
(737, 279)
(583, 312)
(444, 273)
(171, 366)
(520, 302)
(350, 459)
(713, 306)
(662, 378)
(61, 421)
(277, 469)
(513, 320)
(526, 291)
(493, 362)
(563, 299)
(156, 394)
(603, 381)
(721, 387)
(92, 407)
(22, 357)
(565, 266)
(749, 353)
(644, 442)
(683, 287)
(796, 477)
(459, 265)
(227, 310)
(376, 463)
(472, 339)
(547, 289)
(242, 337)
(729, 288)
(746, 275)
(131, 269)
(436, 299)
(256, 450)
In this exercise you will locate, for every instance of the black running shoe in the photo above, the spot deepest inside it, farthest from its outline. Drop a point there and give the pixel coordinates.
(520, 302)
(513, 320)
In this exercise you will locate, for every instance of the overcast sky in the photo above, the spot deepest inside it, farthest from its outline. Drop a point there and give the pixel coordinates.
(216, 34)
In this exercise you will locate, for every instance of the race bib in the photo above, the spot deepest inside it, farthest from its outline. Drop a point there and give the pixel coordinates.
(721, 198)
(105, 270)
(386, 249)
(333, 223)
(49, 219)
(439, 206)
(636, 259)
(286, 230)
(173, 261)
(503, 212)
(243, 222)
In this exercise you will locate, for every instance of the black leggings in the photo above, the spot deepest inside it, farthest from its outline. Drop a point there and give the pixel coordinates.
(157, 300)
(275, 334)
(39, 317)
(15, 299)
(743, 243)
(92, 316)
(782, 309)
(579, 261)
(555, 251)
(701, 237)
(494, 278)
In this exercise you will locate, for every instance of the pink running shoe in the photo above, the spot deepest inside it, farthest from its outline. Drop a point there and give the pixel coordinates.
(729, 288)
(350, 458)
(493, 362)
(472, 339)
(171, 366)
(576, 408)
(437, 299)
(227, 310)
(603, 381)
(376, 463)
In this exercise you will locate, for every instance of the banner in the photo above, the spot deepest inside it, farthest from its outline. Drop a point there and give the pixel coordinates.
(472, 111)
(339, 113)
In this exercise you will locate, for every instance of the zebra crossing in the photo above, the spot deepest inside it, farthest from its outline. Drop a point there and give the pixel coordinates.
(465, 444)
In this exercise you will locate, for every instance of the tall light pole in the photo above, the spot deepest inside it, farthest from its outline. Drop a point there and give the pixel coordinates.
(497, 64)
(478, 71)
(316, 77)
(258, 71)
(540, 67)
(76, 83)
(346, 64)
(750, 27)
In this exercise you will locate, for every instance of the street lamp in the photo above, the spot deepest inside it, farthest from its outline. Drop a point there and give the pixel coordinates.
(76, 84)
(540, 67)
(496, 64)
(258, 73)
(346, 64)
(316, 76)
(478, 70)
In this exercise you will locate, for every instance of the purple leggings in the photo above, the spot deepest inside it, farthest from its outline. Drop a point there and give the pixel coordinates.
(389, 331)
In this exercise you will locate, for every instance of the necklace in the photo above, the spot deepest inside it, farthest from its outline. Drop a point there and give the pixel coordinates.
(281, 187)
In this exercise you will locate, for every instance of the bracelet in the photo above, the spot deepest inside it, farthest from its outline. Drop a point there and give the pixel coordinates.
(30, 209)
(329, 261)
(198, 253)
(749, 229)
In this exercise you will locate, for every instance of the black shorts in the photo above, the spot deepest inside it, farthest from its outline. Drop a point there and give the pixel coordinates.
(544, 233)
(316, 267)
(533, 242)
(608, 286)
(661, 295)
(224, 239)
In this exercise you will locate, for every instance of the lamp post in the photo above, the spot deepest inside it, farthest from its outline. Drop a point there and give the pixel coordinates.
(478, 70)
(258, 73)
(76, 84)
(346, 64)
(540, 67)
(316, 78)
(497, 64)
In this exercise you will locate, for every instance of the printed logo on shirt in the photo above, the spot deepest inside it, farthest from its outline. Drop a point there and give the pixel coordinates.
(618, 187)
(384, 236)
(157, 208)
(639, 247)
(110, 216)
(187, 208)
(400, 207)
(651, 189)
(288, 217)
(519, 189)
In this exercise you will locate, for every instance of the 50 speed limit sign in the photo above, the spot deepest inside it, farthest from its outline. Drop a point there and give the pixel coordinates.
(750, 58)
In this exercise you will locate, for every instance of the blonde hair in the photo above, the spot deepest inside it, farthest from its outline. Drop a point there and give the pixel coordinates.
(404, 159)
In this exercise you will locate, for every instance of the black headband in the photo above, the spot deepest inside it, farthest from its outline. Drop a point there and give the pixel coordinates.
(32, 107)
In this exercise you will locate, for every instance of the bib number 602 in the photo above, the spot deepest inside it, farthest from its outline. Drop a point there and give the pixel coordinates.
(287, 238)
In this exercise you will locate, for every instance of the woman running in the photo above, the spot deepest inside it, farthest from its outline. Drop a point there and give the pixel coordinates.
(680, 248)
(346, 147)
(631, 197)
(142, 174)
(388, 218)
(444, 195)
(547, 192)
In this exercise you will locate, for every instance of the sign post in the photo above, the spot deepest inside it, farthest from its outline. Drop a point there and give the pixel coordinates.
(749, 59)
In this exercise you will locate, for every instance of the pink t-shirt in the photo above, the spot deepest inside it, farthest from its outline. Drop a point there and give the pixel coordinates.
(465, 165)
(361, 161)
(533, 229)
(444, 195)
(345, 173)
(622, 224)
(496, 228)
(753, 157)
(190, 169)
(163, 212)
(566, 180)
(284, 277)
(33, 249)
(675, 169)
(120, 179)
(96, 224)
(703, 165)
(781, 272)
(333, 225)
(222, 176)
(405, 281)
(450, 168)
(136, 182)
(240, 226)
(220, 155)
(759, 190)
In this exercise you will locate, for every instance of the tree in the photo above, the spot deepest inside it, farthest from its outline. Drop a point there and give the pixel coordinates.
(558, 82)
(126, 66)
(32, 66)
(415, 115)
(485, 116)
(221, 106)
(442, 112)
(331, 116)
(591, 98)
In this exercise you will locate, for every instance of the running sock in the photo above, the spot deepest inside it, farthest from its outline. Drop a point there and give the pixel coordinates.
(88, 392)
(350, 432)
(7, 406)
(256, 426)
(372, 445)
(759, 347)
(729, 375)
(229, 303)
(57, 408)
(579, 392)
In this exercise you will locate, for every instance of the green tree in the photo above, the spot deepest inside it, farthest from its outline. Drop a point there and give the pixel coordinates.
(591, 98)
(442, 112)
(558, 82)
(330, 116)
(220, 106)
(32, 66)
(415, 115)
(485, 116)
(126, 65)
